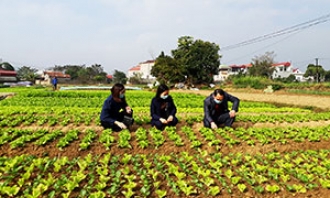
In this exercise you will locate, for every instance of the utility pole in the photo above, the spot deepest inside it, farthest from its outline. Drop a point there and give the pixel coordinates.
(317, 70)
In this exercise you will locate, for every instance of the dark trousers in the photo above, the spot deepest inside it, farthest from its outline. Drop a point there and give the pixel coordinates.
(160, 126)
(114, 127)
(221, 119)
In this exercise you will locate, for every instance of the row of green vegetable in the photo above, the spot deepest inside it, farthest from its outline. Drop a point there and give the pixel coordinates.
(157, 175)
(154, 138)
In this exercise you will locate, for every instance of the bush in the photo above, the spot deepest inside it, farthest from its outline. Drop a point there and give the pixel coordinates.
(4, 86)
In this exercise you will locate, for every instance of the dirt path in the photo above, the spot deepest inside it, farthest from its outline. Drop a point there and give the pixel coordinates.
(322, 102)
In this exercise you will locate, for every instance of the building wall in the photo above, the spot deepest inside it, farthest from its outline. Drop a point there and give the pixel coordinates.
(146, 70)
(282, 72)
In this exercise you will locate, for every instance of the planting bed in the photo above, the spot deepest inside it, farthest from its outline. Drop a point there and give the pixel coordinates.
(51, 145)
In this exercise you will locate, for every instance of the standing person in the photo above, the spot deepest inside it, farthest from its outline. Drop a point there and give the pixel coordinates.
(163, 109)
(116, 114)
(216, 109)
(54, 82)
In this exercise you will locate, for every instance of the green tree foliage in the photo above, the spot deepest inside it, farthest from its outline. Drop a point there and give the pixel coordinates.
(119, 77)
(91, 74)
(262, 65)
(7, 66)
(73, 70)
(136, 78)
(167, 70)
(327, 76)
(317, 72)
(26, 73)
(291, 78)
(200, 59)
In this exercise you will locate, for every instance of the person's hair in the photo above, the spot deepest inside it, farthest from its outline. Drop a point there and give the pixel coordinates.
(115, 89)
(218, 91)
(161, 88)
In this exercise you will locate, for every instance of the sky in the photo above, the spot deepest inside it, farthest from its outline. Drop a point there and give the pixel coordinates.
(120, 34)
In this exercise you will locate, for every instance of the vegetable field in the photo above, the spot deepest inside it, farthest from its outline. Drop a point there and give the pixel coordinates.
(51, 145)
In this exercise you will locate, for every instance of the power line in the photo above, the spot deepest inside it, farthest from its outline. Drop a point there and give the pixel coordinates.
(289, 30)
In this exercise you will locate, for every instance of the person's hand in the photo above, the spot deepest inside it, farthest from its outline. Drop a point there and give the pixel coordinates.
(170, 118)
(121, 125)
(128, 110)
(232, 113)
(162, 120)
(213, 125)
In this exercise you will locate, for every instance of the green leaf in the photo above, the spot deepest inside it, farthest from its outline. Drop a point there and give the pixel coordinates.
(241, 187)
(213, 190)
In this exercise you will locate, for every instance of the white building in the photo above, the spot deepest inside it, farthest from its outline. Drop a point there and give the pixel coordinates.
(282, 70)
(142, 69)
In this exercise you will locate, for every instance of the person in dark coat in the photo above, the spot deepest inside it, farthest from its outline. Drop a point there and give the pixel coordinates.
(163, 109)
(216, 109)
(115, 109)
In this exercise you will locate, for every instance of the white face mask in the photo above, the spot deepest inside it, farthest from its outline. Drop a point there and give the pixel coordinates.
(121, 95)
(217, 101)
(164, 97)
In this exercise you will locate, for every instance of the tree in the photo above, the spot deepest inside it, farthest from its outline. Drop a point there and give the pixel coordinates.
(317, 72)
(93, 73)
(167, 70)
(262, 65)
(73, 70)
(200, 59)
(27, 73)
(136, 78)
(327, 76)
(119, 77)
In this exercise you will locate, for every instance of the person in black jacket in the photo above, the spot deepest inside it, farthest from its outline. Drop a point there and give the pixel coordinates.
(163, 109)
(115, 109)
(216, 109)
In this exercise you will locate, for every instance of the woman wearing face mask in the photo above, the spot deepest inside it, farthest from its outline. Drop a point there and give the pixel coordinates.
(115, 108)
(216, 109)
(163, 109)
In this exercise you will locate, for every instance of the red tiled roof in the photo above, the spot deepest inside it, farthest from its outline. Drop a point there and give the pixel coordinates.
(7, 73)
(149, 61)
(136, 68)
(286, 64)
(56, 74)
(109, 76)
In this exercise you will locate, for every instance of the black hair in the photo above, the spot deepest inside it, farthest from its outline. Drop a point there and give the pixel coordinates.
(118, 87)
(161, 88)
(218, 91)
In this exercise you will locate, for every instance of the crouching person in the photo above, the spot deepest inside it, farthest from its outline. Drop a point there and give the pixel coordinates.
(116, 114)
(163, 109)
(216, 109)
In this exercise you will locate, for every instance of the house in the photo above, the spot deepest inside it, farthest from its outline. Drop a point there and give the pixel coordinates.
(281, 70)
(109, 78)
(143, 69)
(7, 72)
(8, 76)
(224, 72)
(46, 77)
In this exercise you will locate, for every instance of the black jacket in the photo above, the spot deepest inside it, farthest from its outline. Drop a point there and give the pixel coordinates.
(155, 108)
(111, 108)
(209, 106)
